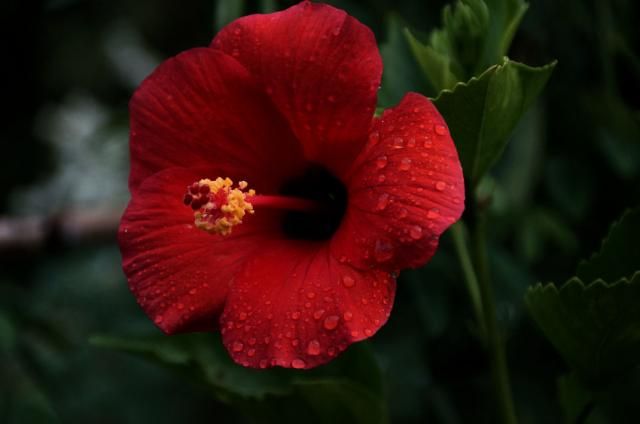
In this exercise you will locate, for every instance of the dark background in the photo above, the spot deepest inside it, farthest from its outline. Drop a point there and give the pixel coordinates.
(68, 70)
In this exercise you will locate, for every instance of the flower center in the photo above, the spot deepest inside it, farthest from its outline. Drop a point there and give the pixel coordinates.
(218, 206)
(316, 184)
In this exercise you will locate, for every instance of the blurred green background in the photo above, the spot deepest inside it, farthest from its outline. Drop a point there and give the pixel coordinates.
(70, 66)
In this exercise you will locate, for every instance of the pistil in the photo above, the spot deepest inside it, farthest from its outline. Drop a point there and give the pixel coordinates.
(218, 206)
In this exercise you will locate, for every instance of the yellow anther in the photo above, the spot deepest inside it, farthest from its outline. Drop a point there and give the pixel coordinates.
(218, 206)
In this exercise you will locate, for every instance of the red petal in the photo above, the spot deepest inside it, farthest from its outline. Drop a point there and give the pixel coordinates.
(405, 189)
(179, 274)
(293, 305)
(322, 69)
(203, 109)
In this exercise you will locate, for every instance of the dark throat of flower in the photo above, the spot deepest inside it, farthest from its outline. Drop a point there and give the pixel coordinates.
(313, 204)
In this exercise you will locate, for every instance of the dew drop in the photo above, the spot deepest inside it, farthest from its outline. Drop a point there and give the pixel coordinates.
(367, 332)
(331, 322)
(295, 315)
(251, 352)
(402, 213)
(383, 201)
(348, 282)
(298, 364)
(433, 214)
(313, 348)
(440, 130)
(411, 142)
(237, 346)
(415, 232)
(263, 363)
(441, 185)
(311, 295)
(158, 319)
(383, 250)
(381, 162)
(398, 143)
(348, 316)
(252, 341)
(405, 164)
(381, 178)
(318, 314)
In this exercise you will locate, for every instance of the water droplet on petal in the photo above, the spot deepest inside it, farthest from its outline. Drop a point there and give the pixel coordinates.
(348, 282)
(415, 232)
(402, 213)
(311, 295)
(313, 348)
(158, 319)
(367, 332)
(381, 162)
(381, 178)
(298, 364)
(383, 201)
(295, 315)
(348, 316)
(263, 363)
(441, 185)
(251, 352)
(440, 130)
(383, 250)
(405, 164)
(331, 322)
(318, 314)
(433, 214)
(398, 143)
(237, 346)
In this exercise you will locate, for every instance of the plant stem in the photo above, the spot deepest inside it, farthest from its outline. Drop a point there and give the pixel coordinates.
(458, 233)
(494, 341)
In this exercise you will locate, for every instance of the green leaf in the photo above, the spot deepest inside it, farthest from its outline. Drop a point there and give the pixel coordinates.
(349, 388)
(439, 67)
(576, 401)
(596, 327)
(202, 358)
(401, 73)
(474, 35)
(505, 18)
(227, 11)
(619, 254)
(483, 112)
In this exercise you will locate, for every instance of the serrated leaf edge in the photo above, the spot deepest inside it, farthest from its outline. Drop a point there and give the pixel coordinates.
(606, 238)
(550, 286)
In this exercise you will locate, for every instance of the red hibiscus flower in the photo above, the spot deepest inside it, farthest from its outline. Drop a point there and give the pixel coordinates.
(295, 271)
